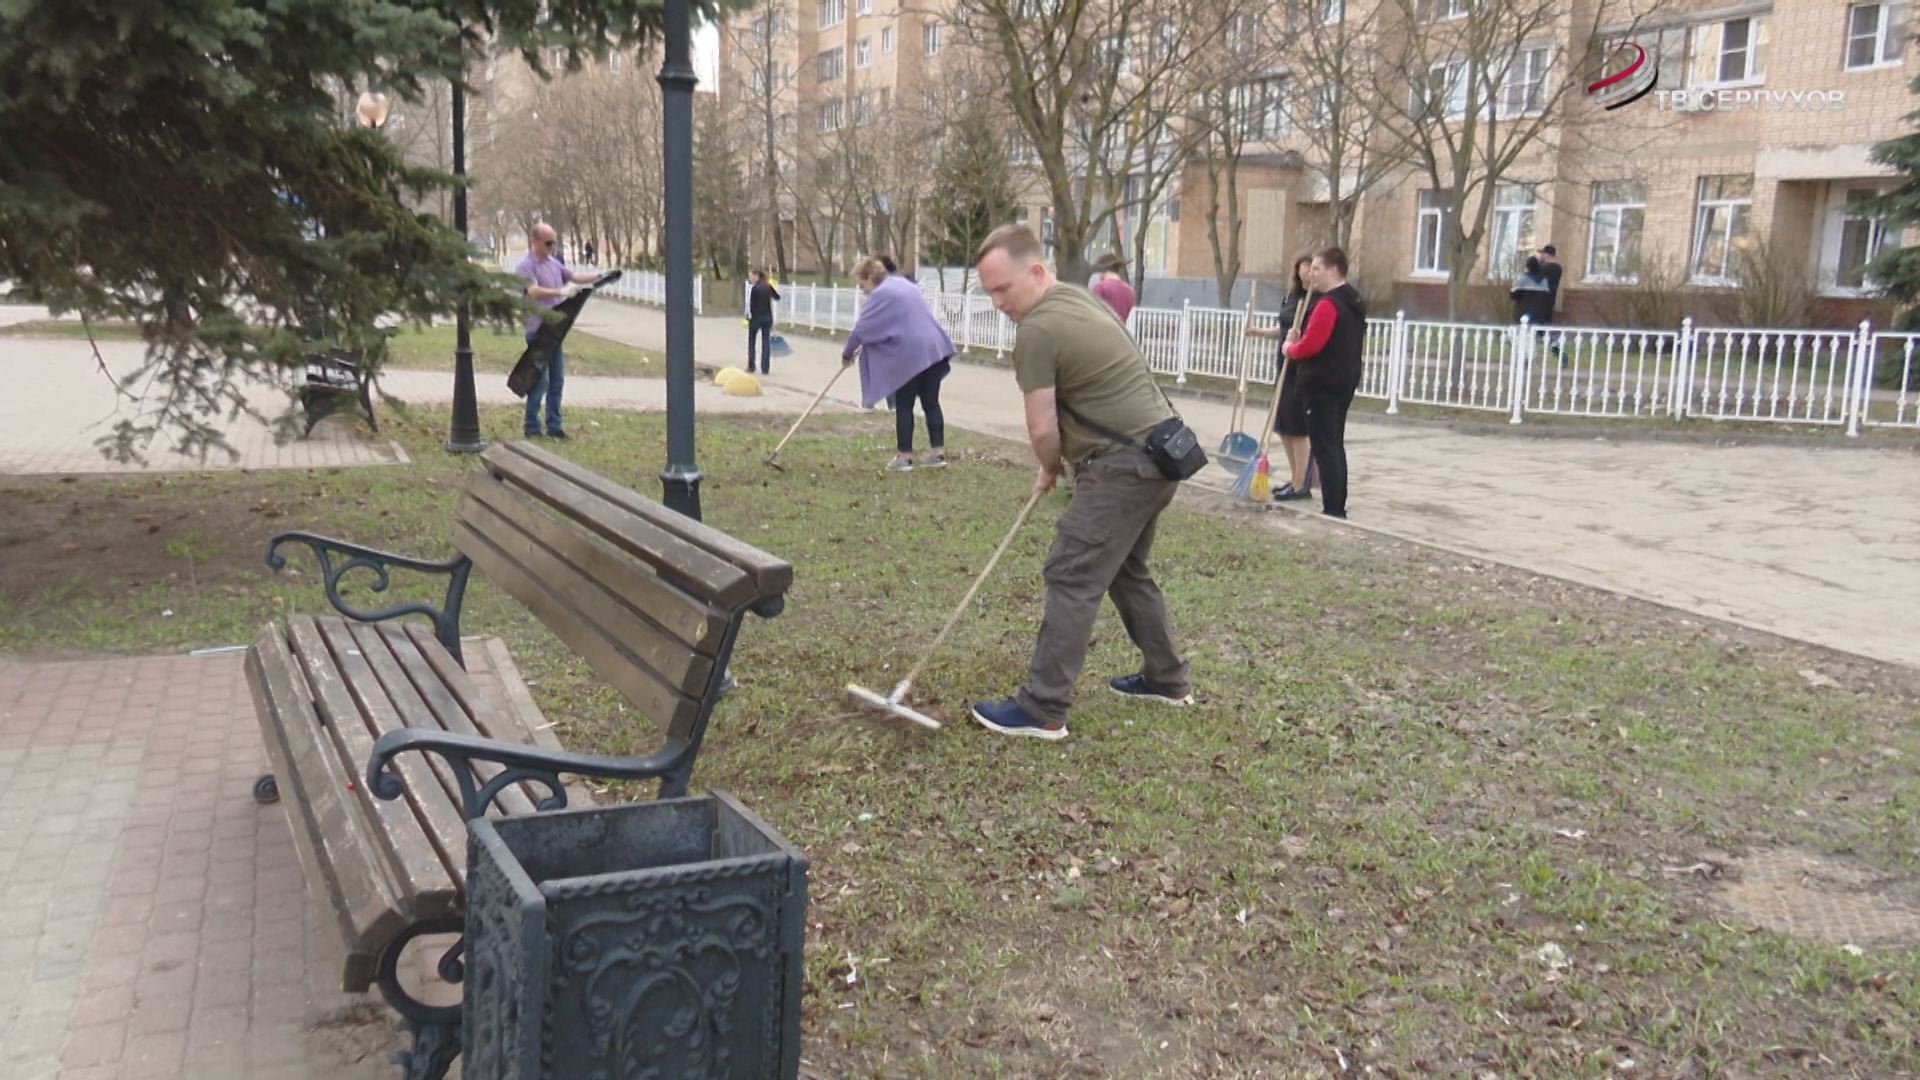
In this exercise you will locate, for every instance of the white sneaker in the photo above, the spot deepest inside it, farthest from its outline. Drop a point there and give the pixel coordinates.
(900, 465)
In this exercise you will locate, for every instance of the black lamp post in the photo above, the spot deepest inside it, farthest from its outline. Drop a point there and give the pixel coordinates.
(680, 480)
(464, 435)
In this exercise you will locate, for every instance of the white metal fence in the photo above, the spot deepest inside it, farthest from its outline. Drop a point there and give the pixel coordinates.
(1840, 378)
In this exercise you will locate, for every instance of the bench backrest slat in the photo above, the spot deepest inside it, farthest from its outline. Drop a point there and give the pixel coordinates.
(694, 569)
(770, 574)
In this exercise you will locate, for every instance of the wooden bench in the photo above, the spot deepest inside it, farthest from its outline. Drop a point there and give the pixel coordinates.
(336, 379)
(651, 600)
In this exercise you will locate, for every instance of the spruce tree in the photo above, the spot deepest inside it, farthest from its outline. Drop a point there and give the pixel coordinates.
(1898, 269)
(189, 165)
(973, 190)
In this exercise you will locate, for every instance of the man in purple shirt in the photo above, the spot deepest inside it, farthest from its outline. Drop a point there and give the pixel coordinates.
(1110, 287)
(548, 282)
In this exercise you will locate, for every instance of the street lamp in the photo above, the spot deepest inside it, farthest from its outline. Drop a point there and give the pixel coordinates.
(680, 479)
(464, 435)
(371, 110)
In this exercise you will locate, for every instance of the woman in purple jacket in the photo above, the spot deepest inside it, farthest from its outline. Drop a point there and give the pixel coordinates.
(903, 352)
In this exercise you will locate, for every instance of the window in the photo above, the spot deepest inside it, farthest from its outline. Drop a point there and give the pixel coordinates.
(1112, 50)
(886, 40)
(613, 63)
(1165, 40)
(1435, 10)
(1722, 228)
(1730, 52)
(1021, 152)
(863, 7)
(1243, 34)
(1876, 34)
(1513, 217)
(1332, 11)
(863, 53)
(1321, 104)
(1046, 230)
(1430, 234)
(1523, 88)
(1852, 240)
(930, 38)
(832, 13)
(1619, 219)
(1443, 91)
(1260, 108)
(831, 64)
(831, 115)
(863, 107)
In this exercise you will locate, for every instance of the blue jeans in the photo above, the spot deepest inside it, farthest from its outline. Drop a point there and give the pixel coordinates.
(764, 331)
(551, 383)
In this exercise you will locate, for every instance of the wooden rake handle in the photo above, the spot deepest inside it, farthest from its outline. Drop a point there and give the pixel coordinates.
(1286, 366)
(814, 404)
(1019, 520)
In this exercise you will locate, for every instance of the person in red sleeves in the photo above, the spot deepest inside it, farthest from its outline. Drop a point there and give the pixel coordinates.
(1329, 352)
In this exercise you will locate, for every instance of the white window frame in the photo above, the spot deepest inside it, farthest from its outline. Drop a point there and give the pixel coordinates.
(613, 63)
(930, 37)
(1511, 233)
(863, 108)
(830, 115)
(1442, 10)
(1888, 46)
(1735, 223)
(1608, 230)
(832, 13)
(1332, 11)
(1320, 103)
(863, 7)
(1833, 235)
(1449, 79)
(1260, 108)
(1710, 43)
(1430, 234)
(830, 65)
(863, 53)
(886, 41)
(1526, 75)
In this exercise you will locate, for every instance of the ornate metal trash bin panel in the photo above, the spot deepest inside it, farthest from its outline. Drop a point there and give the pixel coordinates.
(653, 941)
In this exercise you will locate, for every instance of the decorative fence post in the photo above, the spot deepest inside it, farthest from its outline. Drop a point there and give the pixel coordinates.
(1396, 361)
(1859, 378)
(813, 307)
(698, 289)
(1186, 341)
(1522, 361)
(966, 319)
(1679, 397)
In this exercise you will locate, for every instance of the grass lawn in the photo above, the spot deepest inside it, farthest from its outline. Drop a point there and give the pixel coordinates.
(429, 348)
(1430, 816)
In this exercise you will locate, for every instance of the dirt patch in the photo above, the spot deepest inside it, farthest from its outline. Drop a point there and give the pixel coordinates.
(1820, 897)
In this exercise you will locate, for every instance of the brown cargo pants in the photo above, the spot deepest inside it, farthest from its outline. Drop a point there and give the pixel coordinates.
(1101, 546)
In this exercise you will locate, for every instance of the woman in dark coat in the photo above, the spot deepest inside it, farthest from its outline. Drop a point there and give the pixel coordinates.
(1290, 423)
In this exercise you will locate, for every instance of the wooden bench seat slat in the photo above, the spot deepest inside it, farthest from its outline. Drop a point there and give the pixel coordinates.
(330, 830)
(446, 692)
(439, 808)
(666, 657)
(419, 875)
(665, 705)
(692, 568)
(679, 614)
(771, 575)
(373, 679)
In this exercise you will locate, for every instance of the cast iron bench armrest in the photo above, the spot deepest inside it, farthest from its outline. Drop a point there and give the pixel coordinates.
(518, 763)
(446, 618)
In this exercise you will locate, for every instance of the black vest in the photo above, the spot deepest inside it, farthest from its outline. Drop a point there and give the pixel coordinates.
(1337, 367)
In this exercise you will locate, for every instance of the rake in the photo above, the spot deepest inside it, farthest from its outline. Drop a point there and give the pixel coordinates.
(894, 703)
(817, 398)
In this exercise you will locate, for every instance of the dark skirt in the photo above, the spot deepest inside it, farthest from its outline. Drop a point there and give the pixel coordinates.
(1291, 420)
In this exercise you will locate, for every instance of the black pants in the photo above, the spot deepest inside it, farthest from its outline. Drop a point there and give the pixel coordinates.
(764, 331)
(1327, 435)
(924, 388)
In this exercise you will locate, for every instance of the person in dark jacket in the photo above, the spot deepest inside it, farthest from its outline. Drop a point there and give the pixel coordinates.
(1290, 422)
(1532, 295)
(1330, 375)
(760, 321)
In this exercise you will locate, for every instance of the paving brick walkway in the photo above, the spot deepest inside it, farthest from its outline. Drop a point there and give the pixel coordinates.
(153, 918)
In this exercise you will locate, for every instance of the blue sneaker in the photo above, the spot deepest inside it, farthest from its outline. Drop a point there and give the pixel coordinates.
(1008, 718)
(1137, 686)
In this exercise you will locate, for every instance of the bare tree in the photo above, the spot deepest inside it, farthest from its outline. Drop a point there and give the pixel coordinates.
(1242, 98)
(1080, 79)
(1475, 88)
(765, 46)
(1332, 50)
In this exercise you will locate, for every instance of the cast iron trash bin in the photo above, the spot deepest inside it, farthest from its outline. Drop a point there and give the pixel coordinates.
(658, 939)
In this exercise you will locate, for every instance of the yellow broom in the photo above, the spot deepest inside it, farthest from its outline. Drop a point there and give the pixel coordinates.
(1257, 481)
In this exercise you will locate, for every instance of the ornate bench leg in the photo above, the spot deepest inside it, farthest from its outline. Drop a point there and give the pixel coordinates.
(435, 1028)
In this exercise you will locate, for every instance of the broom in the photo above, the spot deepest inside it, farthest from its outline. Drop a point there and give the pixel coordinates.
(1255, 481)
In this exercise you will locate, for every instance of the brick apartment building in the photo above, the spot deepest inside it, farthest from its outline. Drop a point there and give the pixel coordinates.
(1755, 136)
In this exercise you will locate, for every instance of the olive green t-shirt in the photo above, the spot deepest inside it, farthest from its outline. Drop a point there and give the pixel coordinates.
(1070, 341)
